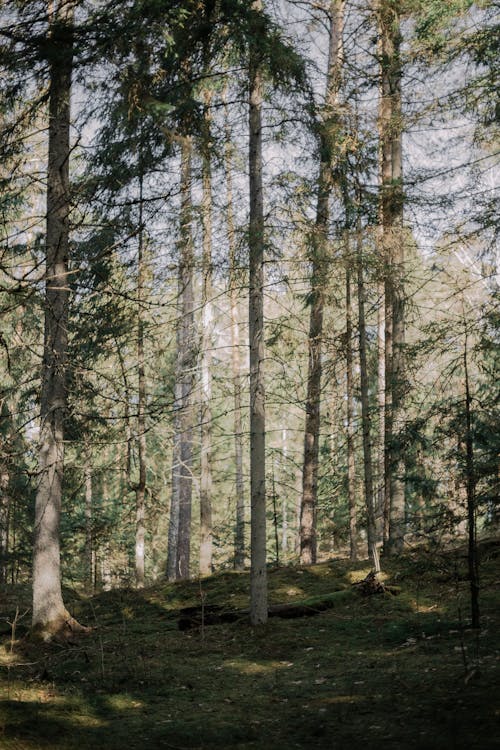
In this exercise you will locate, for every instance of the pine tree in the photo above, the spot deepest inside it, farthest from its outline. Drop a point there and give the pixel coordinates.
(393, 247)
(258, 575)
(179, 538)
(319, 275)
(206, 352)
(49, 613)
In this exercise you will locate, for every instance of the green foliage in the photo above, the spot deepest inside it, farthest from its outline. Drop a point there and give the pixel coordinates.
(435, 20)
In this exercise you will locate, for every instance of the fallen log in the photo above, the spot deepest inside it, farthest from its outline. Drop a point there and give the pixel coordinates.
(213, 614)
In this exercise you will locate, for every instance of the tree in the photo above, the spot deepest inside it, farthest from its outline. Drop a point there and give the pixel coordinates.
(50, 616)
(239, 532)
(140, 489)
(365, 406)
(258, 574)
(393, 248)
(350, 428)
(471, 478)
(206, 352)
(179, 536)
(328, 131)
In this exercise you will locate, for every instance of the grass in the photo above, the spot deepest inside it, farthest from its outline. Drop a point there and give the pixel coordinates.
(379, 672)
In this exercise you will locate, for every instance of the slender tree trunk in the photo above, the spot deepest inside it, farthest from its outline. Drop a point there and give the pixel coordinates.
(89, 542)
(239, 543)
(126, 448)
(319, 275)
(239, 535)
(14, 568)
(49, 612)
(173, 524)
(206, 357)
(457, 503)
(382, 496)
(239, 540)
(140, 489)
(312, 431)
(182, 466)
(351, 467)
(471, 497)
(284, 503)
(365, 405)
(5, 505)
(390, 125)
(258, 572)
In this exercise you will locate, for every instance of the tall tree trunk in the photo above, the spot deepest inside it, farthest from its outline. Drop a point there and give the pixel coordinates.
(382, 513)
(351, 466)
(457, 502)
(125, 484)
(140, 489)
(239, 535)
(365, 405)
(173, 522)
(179, 536)
(49, 612)
(284, 503)
(258, 572)
(5, 506)
(206, 356)
(89, 542)
(319, 274)
(390, 126)
(472, 556)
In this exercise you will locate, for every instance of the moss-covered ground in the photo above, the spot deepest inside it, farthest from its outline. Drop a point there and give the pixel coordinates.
(384, 671)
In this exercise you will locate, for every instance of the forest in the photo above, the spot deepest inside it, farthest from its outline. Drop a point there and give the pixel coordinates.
(249, 349)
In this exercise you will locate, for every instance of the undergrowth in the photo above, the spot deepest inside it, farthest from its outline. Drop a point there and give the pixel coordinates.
(376, 672)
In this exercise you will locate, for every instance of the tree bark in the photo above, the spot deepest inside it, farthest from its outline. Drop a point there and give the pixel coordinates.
(284, 500)
(351, 466)
(365, 405)
(179, 537)
(390, 127)
(472, 556)
(258, 571)
(239, 533)
(140, 489)
(206, 356)
(89, 542)
(5, 505)
(49, 613)
(319, 253)
(382, 514)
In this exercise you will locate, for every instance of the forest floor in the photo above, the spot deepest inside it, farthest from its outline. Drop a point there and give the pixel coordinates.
(384, 671)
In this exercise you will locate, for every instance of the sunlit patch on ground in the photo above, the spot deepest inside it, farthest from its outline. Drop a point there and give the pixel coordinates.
(137, 681)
